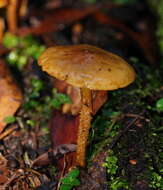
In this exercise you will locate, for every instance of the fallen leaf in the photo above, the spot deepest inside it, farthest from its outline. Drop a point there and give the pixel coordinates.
(145, 40)
(10, 95)
(63, 128)
(53, 154)
(53, 20)
(4, 172)
(99, 98)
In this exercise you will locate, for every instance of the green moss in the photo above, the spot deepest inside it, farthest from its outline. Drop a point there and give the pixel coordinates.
(70, 180)
(39, 105)
(9, 119)
(22, 49)
(114, 182)
(143, 96)
(159, 105)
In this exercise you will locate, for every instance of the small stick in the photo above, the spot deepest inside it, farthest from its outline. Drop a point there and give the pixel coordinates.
(136, 115)
(62, 173)
(121, 133)
(7, 132)
(16, 175)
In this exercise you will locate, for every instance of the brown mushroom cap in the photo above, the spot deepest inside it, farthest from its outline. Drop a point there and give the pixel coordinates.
(87, 66)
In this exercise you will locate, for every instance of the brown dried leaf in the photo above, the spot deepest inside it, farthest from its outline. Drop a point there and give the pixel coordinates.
(99, 98)
(63, 128)
(73, 93)
(4, 172)
(10, 95)
(54, 154)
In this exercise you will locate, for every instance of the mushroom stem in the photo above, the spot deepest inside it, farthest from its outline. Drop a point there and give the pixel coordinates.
(1, 29)
(23, 7)
(84, 126)
(12, 15)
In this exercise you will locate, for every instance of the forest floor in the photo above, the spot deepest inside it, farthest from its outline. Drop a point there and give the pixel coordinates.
(125, 146)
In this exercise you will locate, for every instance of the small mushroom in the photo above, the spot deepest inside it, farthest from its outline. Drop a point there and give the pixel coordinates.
(12, 9)
(3, 3)
(2, 26)
(88, 68)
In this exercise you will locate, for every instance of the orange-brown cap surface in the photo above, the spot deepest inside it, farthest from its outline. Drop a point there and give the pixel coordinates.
(3, 3)
(87, 66)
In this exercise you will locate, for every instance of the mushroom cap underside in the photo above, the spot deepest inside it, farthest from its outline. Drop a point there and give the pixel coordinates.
(87, 66)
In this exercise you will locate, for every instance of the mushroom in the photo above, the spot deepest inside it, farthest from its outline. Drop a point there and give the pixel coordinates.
(3, 3)
(90, 69)
(2, 26)
(12, 9)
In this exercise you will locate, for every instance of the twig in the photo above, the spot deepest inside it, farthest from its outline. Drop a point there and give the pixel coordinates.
(7, 132)
(121, 133)
(18, 173)
(136, 115)
(62, 173)
(33, 171)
